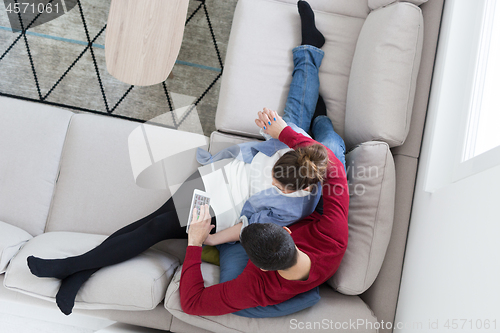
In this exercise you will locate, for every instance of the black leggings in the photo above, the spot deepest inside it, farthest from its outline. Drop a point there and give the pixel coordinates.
(122, 245)
(139, 236)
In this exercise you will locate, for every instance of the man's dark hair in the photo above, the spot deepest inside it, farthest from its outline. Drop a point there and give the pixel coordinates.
(269, 246)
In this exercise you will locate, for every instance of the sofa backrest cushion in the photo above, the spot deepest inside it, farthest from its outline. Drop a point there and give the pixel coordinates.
(375, 4)
(258, 66)
(31, 141)
(372, 185)
(358, 8)
(96, 191)
(383, 76)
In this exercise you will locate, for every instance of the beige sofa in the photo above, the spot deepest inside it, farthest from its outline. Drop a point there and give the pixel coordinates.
(67, 180)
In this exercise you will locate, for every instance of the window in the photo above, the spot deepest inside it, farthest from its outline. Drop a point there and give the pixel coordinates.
(462, 135)
(483, 128)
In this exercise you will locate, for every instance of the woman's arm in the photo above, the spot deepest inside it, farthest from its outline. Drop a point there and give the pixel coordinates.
(271, 123)
(231, 234)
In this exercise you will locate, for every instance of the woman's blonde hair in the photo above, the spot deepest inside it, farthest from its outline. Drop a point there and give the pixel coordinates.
(302, 167)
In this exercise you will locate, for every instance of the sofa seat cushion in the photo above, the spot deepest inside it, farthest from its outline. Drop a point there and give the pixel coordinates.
(332, 308)
(31, 141)
(372, 184)
(137, 284)
(11, 240)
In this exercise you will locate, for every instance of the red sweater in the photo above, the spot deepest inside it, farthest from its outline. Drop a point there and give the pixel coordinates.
(322, 237)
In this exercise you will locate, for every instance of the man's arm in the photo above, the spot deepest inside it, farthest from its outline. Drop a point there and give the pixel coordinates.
(240, 293)
(231, 296)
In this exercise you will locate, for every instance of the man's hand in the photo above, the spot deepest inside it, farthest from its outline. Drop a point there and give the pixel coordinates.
(200, 226)
(270, 122)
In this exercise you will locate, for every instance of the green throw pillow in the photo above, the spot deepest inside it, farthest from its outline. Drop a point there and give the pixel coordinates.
(210, 254)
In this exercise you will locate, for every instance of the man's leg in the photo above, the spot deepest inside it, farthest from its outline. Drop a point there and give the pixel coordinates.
(323, 132)
(310, 34)
(304, 89)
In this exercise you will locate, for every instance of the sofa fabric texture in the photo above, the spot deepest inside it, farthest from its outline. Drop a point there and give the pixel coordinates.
(137, 284)
(12, 239)
(372, 184)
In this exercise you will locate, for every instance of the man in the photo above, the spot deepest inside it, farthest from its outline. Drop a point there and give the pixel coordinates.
(283, 262)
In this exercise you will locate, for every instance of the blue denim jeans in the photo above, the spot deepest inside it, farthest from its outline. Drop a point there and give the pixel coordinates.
(303, 96)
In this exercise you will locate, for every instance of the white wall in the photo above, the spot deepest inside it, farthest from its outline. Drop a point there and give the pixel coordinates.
(452, 261)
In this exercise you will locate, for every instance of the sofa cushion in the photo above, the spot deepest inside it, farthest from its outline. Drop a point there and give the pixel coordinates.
(32, 137)
(375, 4)
(11, 240)
(97, 190)
(357, 8)
(372, 185)
(137, 284)
(383, 76)
(258, 66)
(332, 309)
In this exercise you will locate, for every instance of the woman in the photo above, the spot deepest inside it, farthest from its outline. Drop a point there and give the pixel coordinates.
(165, 222)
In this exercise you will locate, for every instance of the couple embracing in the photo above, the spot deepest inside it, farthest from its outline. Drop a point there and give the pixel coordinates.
(292, 220)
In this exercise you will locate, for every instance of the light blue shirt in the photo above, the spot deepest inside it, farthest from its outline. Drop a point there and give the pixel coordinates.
(268, 205)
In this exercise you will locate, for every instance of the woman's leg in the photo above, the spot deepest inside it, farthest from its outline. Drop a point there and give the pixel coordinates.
(70, 285)
(304, 89)
(134, 238)
(113, 250)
